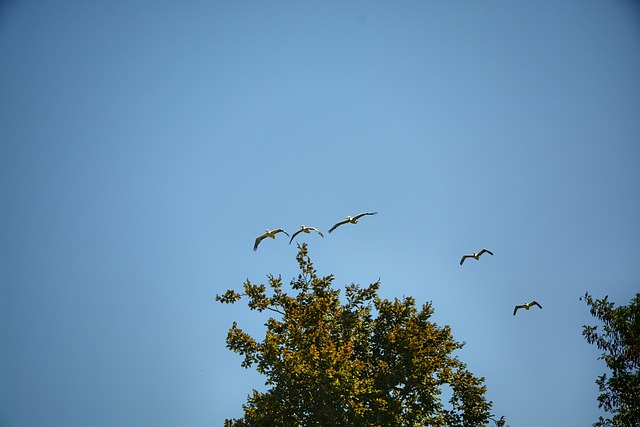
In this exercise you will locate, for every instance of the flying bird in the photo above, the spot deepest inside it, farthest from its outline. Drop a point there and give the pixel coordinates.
(475, 255)
(351, 219)
(304, 229)
(526, 306)
(268, 233)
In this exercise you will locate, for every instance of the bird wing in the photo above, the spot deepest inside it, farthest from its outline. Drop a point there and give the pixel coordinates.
(258, 240)
(535, 303)
(463, 258)
(485, 250)
(363, 214)
(316, 230)
(294, 235)
(516, 309)
(280, 230)
(338, 225)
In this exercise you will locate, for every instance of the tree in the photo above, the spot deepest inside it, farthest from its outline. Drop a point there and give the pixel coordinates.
(365, 362)
(620, 345)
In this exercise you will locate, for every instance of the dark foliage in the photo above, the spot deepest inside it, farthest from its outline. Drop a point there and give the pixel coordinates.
(619, 340)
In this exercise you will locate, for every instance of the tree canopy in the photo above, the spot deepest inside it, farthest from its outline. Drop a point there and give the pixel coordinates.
(619, 340)
(366, 361)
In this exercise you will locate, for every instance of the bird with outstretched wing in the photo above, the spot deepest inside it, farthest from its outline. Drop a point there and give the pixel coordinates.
(475, 255)
(526, 306)
(351, 219)
(269, 233)
(305, 229)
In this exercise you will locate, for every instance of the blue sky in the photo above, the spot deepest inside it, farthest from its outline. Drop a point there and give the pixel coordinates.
(145, 145)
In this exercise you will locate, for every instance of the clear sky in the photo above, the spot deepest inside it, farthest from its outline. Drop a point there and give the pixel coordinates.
(144, 145)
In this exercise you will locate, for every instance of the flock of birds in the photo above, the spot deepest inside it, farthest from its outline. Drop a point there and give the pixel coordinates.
(354, 220)
(305, 229)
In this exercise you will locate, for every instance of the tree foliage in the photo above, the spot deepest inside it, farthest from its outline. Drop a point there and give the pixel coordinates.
(619, 340)
(365, 362)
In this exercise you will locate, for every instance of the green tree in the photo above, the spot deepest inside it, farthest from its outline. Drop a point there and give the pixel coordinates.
(619, 341)
(365, 362)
